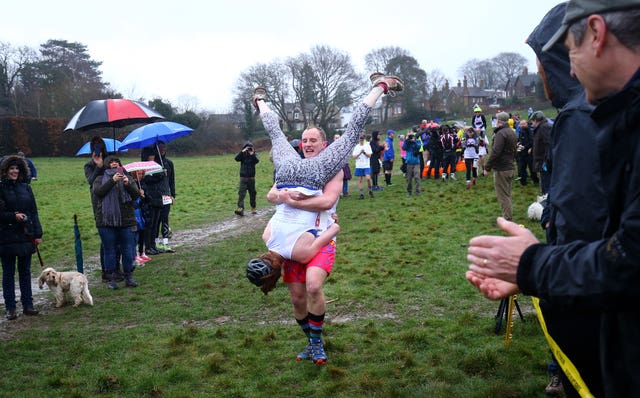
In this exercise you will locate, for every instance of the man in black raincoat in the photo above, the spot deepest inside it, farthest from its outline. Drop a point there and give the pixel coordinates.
(600, 277)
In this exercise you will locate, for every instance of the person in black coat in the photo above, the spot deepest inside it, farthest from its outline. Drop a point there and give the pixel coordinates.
(248, 160)
(156, 186)
(524, 159)
(20, 232)
(374, 160)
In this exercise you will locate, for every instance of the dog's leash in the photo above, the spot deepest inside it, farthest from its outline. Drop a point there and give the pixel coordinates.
(33, 242)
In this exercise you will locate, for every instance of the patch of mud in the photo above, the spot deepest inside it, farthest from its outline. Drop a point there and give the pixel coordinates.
(234, 226)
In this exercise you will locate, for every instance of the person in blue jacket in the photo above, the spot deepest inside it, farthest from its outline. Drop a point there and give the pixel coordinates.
(388, 157)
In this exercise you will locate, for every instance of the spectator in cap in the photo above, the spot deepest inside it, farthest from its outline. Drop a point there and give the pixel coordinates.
(503, 152)
(541, 149)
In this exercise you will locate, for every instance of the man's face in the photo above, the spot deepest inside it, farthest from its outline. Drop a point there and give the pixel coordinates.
(312, 143)
(584, 66)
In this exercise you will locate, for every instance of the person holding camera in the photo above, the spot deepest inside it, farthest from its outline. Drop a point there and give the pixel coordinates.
(412, 162)
(116, 219)
(20, 232)
(248, 160)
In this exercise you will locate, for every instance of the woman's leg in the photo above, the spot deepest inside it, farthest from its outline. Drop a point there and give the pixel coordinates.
(125, 238)
(108, 237)
(9, 282)
(24, 278)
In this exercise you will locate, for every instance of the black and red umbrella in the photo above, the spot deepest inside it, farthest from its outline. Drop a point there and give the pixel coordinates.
(112, 113)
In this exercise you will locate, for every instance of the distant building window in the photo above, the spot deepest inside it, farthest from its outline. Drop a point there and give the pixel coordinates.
(296, 115)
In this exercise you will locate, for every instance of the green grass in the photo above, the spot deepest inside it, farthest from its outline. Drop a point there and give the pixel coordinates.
(401, 322)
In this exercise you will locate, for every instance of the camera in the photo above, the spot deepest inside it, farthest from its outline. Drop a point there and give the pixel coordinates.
(411, 136)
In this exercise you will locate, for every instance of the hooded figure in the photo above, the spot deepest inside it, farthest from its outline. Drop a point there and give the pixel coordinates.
(16, 196)
(20, 231)
(574, 209)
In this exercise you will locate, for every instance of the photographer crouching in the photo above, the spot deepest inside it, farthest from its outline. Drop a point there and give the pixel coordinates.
(412, 147)
(248, 160)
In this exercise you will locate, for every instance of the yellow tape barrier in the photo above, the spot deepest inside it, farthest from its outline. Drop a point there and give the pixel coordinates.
(565, 363)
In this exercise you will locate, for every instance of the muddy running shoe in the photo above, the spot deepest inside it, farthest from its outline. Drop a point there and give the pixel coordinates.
(307, 354)
(390, 84)
(239, 211)
(260, 93)
(319, 357)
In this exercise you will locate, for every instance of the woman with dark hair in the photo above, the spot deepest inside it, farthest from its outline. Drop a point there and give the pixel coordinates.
(20, 232)
(115, 218)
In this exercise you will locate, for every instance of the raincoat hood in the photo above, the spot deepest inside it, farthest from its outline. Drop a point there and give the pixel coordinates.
(7, 161)
(555, 61)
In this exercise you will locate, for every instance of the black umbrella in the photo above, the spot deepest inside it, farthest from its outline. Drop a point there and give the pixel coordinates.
(113, 113)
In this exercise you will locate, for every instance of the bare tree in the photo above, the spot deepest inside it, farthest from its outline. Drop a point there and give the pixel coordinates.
(509, 65)
(274, 78)
(13, 60)
(471, 69)
(302, 82)
(335, 82)
(434, 80)
(378, 60)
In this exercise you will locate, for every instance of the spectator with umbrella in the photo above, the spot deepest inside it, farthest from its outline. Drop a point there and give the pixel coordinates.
(115, 218)
(93, 169)
(155, 186)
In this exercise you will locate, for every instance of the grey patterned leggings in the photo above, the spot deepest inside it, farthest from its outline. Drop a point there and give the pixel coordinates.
(315, 172)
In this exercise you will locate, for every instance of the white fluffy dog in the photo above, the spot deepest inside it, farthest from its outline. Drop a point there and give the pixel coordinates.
(62, 282)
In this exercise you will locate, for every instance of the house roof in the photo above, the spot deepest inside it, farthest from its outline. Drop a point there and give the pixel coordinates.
(475, 92)
(528, 80)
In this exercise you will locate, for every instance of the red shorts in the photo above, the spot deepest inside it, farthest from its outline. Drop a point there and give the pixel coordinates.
(296, 272)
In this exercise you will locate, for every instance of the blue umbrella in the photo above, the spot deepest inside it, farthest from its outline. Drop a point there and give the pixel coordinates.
(151, 134)
(112, 146)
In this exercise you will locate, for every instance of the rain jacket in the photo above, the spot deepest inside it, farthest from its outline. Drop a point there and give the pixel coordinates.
(17, 197)
(376, 152)
(389, 154)
(503, 149)
(247, 162)
(593, 271)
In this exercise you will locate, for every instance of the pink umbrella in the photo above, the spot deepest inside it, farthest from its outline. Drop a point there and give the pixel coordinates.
(149, 167)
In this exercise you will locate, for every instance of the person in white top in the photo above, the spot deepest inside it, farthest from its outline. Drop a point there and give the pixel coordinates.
(362, 153)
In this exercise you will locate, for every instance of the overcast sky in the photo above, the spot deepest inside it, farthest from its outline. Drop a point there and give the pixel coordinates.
(196, 49)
